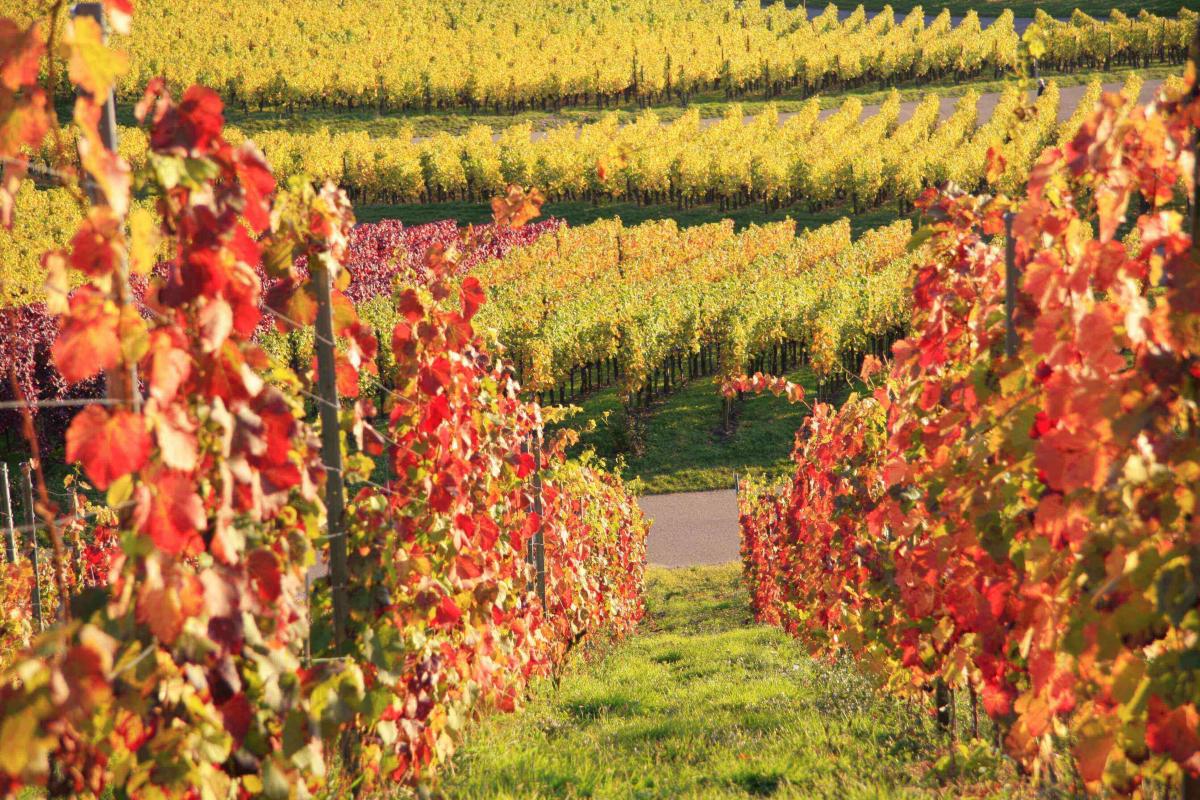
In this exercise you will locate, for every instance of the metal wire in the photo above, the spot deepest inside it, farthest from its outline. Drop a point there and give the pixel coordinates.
(364, 481)
(46, 171)
(27, 528)
(316, 335)
(329, 404)
(60, 403)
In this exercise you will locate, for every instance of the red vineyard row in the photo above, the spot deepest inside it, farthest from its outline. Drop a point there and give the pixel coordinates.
(177, 663)
(1024, 526)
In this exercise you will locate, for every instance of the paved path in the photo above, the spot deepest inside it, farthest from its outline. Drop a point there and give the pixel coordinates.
(688, 528)
(1068, 98)
(931, 13)
(692, 528)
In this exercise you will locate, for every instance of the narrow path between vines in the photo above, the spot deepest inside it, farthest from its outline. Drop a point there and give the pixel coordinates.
(703, 702)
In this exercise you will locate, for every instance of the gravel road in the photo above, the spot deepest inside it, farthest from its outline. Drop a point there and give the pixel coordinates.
(1069, 97)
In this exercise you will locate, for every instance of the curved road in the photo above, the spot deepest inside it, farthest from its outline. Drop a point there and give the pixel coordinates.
(1068, 98)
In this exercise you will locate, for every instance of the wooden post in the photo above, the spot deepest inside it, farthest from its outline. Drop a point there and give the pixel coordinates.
(974, 713)
(108, 115)
(10, 534)
(331, 455)
(308, 614)
(1190, 790)
(115, 381)
(942, 700)
(538, 544)
(1010, 287)
(27, 481)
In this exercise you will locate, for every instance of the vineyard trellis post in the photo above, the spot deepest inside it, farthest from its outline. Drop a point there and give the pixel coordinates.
(943, 702)
(108, 116)
(331, 453)
(10, 534)
(27, 485)
(1010, 286)
(537, 546)
(108, 136)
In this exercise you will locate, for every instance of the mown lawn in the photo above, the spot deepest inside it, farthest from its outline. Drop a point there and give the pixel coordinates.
(705, 703)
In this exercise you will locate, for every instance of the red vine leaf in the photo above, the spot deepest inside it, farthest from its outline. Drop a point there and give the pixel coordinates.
(171, 513)
(107, 445)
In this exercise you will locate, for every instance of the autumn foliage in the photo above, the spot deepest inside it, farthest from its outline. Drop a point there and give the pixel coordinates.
(1025, 526)
(177, 663)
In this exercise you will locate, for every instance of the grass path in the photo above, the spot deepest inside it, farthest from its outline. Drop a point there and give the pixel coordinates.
(581, 212)
(703, 703)
(684, 450)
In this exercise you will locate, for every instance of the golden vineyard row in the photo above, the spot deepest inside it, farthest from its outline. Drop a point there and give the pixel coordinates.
(839, 159)
(506, 55)
(804, 158)
(642, 296)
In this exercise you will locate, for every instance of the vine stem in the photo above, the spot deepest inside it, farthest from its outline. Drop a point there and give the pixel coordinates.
(1194, 95)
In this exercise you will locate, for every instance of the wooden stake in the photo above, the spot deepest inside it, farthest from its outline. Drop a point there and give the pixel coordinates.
(27, 484)
(10, 534)
(331, 455)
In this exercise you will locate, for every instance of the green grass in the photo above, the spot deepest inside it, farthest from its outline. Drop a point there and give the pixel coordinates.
(684, 449)
(705, 703)
(582, 213)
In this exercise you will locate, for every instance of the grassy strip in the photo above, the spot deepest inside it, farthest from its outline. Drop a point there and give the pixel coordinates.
(684, 450)
(710, 104)
(704, 703)
(583, 212)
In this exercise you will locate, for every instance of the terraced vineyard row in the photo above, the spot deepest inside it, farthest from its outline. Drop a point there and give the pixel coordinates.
(641, 306)
(508, 55)
(805, 160)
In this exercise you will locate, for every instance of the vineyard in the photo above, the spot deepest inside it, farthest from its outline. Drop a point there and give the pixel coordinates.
(507, 56)
(377, 255)
(172, 640)
(735, 162)
(702, 301)
(1006, 511)
(300, 507)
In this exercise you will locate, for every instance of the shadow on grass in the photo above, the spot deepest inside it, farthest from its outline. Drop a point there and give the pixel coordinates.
(702, 704)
